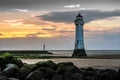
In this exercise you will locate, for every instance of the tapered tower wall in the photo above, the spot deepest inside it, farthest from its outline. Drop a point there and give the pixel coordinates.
(79, 50)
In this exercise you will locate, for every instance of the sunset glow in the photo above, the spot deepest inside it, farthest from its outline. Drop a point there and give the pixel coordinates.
(21, 28)
(33, 27)
(39, 22)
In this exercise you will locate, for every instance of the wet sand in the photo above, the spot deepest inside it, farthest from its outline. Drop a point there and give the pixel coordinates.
(83, 63)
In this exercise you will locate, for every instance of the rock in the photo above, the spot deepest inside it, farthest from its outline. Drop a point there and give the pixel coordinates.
(61, 70)
(118, 76)
(89, 72)
(49, 64)
(2, 63)
(12, 79)
(82, 70)
(65, 64)
(9, 58)
(18, 62)
(47, 72)
(35, 75)
(119, 72)
(45, 79)
(107, 74)
(73, 76)
(97, 71)
(90, 78)
(66, 67)
(57, 77)
(90, 69)
(11, 70)
(104, 77)
(67, 75)
(72, 69)
(3, 78)
(24, 71)
(0, 69)
(77, 76)
(41, 73)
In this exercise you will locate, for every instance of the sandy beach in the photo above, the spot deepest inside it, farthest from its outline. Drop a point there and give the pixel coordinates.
(96, 63)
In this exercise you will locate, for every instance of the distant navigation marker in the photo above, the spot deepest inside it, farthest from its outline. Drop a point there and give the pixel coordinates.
(79, 50)
(44, 47)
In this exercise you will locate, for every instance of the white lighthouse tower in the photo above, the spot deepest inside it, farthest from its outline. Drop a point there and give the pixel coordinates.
(79, 50)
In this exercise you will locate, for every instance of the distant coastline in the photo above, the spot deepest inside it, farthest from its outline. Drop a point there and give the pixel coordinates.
(40, 54)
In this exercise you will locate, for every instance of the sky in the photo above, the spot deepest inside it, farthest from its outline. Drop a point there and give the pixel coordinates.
(29, 24)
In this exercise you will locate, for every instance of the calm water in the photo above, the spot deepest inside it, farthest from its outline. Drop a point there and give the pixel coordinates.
(89, 52)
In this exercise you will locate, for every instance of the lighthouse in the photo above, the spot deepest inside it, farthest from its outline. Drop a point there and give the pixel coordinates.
(79, 50)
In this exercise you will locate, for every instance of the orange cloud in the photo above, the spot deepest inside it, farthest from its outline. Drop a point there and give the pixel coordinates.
(14, 27)
(103, 27)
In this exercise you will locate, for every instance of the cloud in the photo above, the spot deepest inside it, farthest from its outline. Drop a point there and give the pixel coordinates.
(34, 35)
(21, 10)
(1, 34)
(64, 31)
(56, 4)
(69, 16)
(52, 28)
(12, 20)
(72, 6)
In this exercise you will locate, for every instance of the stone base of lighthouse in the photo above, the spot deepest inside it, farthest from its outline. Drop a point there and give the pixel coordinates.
(78, 53)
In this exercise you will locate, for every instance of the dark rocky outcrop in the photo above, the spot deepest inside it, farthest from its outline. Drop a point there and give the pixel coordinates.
(107, 74)
(11, 70)
(35, 75)
(57, 77)
(49, 64)
(24, 71)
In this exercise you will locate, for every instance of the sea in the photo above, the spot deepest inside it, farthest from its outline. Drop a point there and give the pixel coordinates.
(88, 52)
(112, 62)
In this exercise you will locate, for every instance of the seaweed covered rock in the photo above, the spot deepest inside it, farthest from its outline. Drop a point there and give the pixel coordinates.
(2, 63)
(118, 75)
(72, 76)
(11, 70)
(35, 75)
(12, 79)
(41, 73)
(57, 77)
(7, 58)
(107, 74)
(47, 72)
(67, 75)
(88, 73)
(24, 71)
(13, 60)
(3, 78)
(76, 76)
(49, 64)
(65, 64)
(66, 67)
(61, 70)
(72, 69)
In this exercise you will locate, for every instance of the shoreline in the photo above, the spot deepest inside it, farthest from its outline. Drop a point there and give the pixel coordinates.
(13, 68)
(82, 63)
